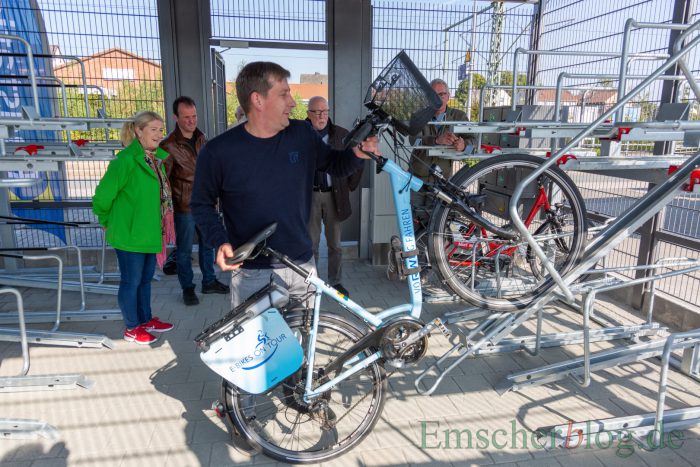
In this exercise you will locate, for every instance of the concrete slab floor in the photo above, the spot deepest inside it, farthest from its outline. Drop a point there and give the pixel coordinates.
(152, 405)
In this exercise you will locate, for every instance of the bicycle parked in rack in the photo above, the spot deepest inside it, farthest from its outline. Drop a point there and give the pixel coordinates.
(483, 266)
(469, 242)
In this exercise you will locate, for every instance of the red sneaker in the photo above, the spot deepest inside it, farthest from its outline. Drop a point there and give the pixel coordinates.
(139, 335)
(156, 325)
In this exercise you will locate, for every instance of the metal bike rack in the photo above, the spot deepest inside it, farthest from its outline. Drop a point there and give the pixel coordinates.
(53, 336)
(580, 369)
(490, 334)
(29, 429)
(638, 426)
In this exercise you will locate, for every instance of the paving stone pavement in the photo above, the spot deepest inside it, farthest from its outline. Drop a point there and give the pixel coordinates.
(152, 406)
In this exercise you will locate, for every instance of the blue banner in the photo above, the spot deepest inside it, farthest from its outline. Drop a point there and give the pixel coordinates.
(23, 18)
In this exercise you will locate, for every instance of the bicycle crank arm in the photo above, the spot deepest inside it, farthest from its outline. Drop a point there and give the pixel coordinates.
(424, 331)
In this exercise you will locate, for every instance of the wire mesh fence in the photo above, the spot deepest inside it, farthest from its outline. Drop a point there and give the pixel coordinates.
(451, 40)
(93, 59)
(101, 58)
(269, 20)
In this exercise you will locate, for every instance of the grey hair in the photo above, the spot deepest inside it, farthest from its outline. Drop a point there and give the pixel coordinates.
(317, 98)
(439, 81)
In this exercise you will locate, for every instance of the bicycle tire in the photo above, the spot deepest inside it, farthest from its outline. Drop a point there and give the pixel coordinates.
(289, 433)
(479, 284)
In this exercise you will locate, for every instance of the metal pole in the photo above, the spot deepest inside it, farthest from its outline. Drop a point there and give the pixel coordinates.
(471, 63)
(535, 34)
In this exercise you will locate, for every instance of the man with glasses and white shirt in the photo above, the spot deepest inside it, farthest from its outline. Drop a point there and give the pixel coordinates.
(434, 135)
(330, 203)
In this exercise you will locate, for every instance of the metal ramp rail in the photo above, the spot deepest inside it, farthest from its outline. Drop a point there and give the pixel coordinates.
(637, 427)
(492, 331)
(29, 429)
(53, 336)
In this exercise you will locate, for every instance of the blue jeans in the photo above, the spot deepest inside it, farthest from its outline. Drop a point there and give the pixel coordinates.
(184, 236)
(135, 286)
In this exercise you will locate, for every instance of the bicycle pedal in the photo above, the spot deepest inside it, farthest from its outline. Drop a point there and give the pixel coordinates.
(442, 328)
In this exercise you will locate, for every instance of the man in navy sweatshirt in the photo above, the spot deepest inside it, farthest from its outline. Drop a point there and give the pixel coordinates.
(262, 172)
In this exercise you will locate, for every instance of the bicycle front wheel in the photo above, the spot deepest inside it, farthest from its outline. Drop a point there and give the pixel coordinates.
(494, 273)
(286, 428)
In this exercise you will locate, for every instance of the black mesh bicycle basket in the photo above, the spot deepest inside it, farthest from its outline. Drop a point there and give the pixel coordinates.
(402, 92)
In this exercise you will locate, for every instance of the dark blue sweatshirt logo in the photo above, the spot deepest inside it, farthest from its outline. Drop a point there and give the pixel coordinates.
(294, 157)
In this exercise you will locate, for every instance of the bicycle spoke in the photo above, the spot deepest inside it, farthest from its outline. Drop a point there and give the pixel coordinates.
(288, 427)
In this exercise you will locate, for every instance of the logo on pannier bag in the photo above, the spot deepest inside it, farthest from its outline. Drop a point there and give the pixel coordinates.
(263, 352)
(294, 157)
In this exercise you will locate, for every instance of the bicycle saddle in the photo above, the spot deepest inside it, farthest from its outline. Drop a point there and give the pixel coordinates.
(244, 251)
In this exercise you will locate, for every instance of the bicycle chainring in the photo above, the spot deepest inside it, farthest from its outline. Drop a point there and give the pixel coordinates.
(396, 351)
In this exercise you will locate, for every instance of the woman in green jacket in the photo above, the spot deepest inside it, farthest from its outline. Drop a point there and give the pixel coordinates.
(132, 202)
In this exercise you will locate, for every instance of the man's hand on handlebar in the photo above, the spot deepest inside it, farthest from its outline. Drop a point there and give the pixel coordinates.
(371, 144)
(226, 251)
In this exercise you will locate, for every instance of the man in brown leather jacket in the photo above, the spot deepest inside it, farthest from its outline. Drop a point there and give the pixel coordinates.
(183, 145)
(330, 203)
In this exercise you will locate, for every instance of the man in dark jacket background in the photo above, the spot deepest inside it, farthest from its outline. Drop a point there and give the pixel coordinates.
(183, 145)
(330, 204)
(439, 135)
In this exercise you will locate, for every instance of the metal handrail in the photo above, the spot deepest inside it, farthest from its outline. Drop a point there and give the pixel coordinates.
(565, 74)
(629, 24)
(520, 88)
(576, 53)
(517, 222)
(22, 328)
(83, 76)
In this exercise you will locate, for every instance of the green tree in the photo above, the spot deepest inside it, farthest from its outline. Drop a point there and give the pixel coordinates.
(647, 109)
(299, 112)
(231, 106)
(478, 82)
(130, 98)
(506, 78)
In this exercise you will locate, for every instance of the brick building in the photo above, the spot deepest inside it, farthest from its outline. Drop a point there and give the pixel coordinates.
(108, 69)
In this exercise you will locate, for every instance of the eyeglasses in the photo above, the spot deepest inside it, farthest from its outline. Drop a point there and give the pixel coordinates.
(318, 113)
(443, 94)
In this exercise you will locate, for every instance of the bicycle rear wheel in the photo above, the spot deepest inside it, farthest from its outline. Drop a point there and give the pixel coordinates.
(285, 428)
(494, 273)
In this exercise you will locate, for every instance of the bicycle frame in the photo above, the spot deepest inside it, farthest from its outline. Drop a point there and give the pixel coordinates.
(496, 249)
(402, 183)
